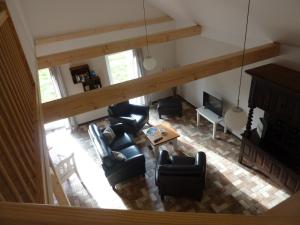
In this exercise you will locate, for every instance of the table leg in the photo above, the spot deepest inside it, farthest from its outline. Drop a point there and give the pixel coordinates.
(225, 128)
(198, 119)
(214, 130)
(155, 150)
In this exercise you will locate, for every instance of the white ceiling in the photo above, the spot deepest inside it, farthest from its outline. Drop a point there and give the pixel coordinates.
(50, 17)
(277, 20)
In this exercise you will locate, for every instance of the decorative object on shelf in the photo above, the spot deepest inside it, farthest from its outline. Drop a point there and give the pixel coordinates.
(80, 73)
(236, 117)
(149, 62)
(91, 83)
(89, 79)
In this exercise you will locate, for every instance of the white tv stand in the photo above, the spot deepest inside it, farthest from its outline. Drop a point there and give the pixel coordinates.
(211, 117)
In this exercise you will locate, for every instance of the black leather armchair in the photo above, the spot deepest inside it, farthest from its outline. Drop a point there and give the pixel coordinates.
(117, 171)
(133, 117)
(171, 106)
(180, 176)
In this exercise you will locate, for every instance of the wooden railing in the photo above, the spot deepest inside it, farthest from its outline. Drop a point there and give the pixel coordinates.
(29, 214)
(20, 159)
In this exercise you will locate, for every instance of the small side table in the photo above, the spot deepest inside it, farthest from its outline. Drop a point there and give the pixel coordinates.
(211, 117)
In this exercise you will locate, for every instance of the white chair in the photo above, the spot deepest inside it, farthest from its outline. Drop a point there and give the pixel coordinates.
(66, 168)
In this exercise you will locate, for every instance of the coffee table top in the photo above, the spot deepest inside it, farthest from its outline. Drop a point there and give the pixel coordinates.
(168, 136)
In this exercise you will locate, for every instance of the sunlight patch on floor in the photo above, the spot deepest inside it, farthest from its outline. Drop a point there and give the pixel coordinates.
(225, 167)
(64, 144)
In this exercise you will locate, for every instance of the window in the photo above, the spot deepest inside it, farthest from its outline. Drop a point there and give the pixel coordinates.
(48, 87)
(49, 91)
(123, 66)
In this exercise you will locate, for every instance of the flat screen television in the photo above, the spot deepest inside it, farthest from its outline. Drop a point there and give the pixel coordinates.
(213, 103)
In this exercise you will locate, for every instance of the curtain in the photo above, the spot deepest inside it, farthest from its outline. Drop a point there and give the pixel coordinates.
(138, 54)
(60, 86)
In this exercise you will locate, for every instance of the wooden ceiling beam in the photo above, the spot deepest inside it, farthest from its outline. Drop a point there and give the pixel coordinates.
(100, 30)
(3, 17)
(117, 46)
(87, 101)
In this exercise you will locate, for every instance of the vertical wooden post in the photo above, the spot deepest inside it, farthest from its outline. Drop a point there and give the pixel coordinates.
(249, 122)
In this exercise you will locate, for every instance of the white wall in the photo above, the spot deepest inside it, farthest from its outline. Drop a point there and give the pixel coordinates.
(223, 27)
(269, 19)
(165, 55)
(52, 17)
(225, 84)
(24, 34)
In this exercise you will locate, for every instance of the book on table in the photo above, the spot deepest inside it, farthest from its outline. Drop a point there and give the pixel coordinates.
(153, 133)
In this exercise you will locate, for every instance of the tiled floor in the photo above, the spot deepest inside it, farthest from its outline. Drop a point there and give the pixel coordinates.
(231, 187)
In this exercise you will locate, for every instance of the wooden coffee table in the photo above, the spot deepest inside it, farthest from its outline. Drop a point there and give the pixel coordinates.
(169, 137)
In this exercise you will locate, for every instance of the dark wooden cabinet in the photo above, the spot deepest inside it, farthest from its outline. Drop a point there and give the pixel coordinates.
(276, 90)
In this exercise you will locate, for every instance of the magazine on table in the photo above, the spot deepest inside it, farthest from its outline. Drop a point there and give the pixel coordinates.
(153, 133)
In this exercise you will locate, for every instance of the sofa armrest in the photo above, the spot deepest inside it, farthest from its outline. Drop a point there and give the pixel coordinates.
(131, 162)
(200, 159)
(133, 159)
(127, 119)
(163, 158)
(139, 109)
(123, 119)
(174, 170)
(118, 128)
(111, 111)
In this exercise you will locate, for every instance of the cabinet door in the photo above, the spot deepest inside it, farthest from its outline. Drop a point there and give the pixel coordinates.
(276, 171)
(296, 113)
(292, 182)
(248, 153)
(267, 164)
(259, 159)
(262, 95)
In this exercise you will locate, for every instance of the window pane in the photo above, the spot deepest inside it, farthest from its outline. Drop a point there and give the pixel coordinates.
(47, 88)
(122, 67)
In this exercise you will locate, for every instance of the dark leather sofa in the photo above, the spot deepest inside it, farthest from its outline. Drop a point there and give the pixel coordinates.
(134, 117)
(117, 171)
(180, 176)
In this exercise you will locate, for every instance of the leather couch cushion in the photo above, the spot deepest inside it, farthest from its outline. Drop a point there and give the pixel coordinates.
(131, 151)
(180, 170)
(108, 161)
(177, 160)
(121, 142)
(138, 118)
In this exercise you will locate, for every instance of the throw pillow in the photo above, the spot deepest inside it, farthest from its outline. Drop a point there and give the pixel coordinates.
(109, 134)
(119, 156)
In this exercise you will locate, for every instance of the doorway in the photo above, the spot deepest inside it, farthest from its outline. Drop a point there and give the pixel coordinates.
(124, 66)
(49, 91)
